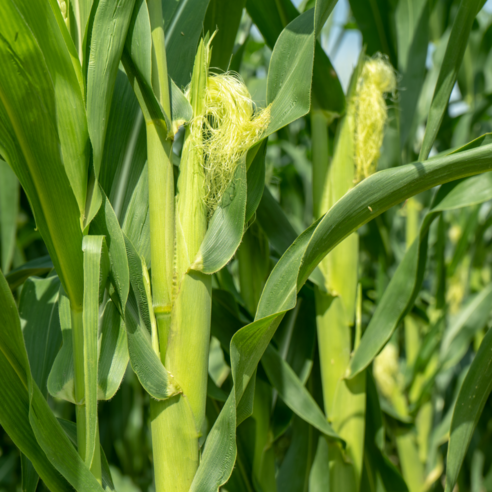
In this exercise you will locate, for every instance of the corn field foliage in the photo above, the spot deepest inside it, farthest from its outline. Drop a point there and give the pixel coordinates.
(222, 268)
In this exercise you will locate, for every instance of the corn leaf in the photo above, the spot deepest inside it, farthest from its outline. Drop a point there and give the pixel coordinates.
(81, 10)
(255, 177)
(379, 473)
(138, 43)
(125, 149)
(29, 136)
(405, 284)
(293, 392)
(38, 310)
(108, 29)
(288, 87)
(30, 478)
(25, 414)
(471, 400)
(182, 34)
(138, 49)
(469, 321)
(106, 224)
(61, 378)
(133, 305)
(275, 223)
(225, 17)
(412, 28)
(272, 17)
(145, 362)
(69, 103)
(37, 267)
(375, 22)
(455, 50)
(226, 226)
(113, 354)
(94, 249)
(294, 473)
(367, 200)
(70, 429)
(9, 208)
(136, 224)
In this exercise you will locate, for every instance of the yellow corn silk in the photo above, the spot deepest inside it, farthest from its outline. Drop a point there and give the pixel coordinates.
(230, 126)
(377, 79)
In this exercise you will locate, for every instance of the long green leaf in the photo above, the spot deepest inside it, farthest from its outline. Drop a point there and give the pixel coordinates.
(69, 115)
(94, 251)
(106, 224)
(471, 400)
(136, 224)
(108, 34)
(271, 17)
(288, 87)
(405, 283)
(25, 414)
(61, 378)
(30, 110)
(380, 474)
(275, 223)
(469, 321)
(39, 266)
(225, 17)
(364, 202)
(255, 178)
(113, 354)
(226, 226)
(145, 362)
(38, 309)
(374, 20)
(9, 208)
(81, 12)
(70, 429)
(182, 34)
(412, 28)
(294, 473)
(125, 149)
(293, 392)
(449, 71)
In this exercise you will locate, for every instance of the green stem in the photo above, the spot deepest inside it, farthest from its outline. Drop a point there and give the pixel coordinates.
(335, 311)
(161, 208)
(187, 356)
(161, 184)
(174, 433)
(176, 422)
(174, 444)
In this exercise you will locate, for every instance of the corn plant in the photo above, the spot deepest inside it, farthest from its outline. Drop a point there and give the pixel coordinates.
(218, 280)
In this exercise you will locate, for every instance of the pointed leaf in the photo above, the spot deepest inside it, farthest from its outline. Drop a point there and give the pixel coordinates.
(108, 31)
(226, 226)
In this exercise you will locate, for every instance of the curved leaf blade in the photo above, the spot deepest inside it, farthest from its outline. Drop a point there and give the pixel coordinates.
(455, 51)
(226, 227)
(471, 400)
(25, 414)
